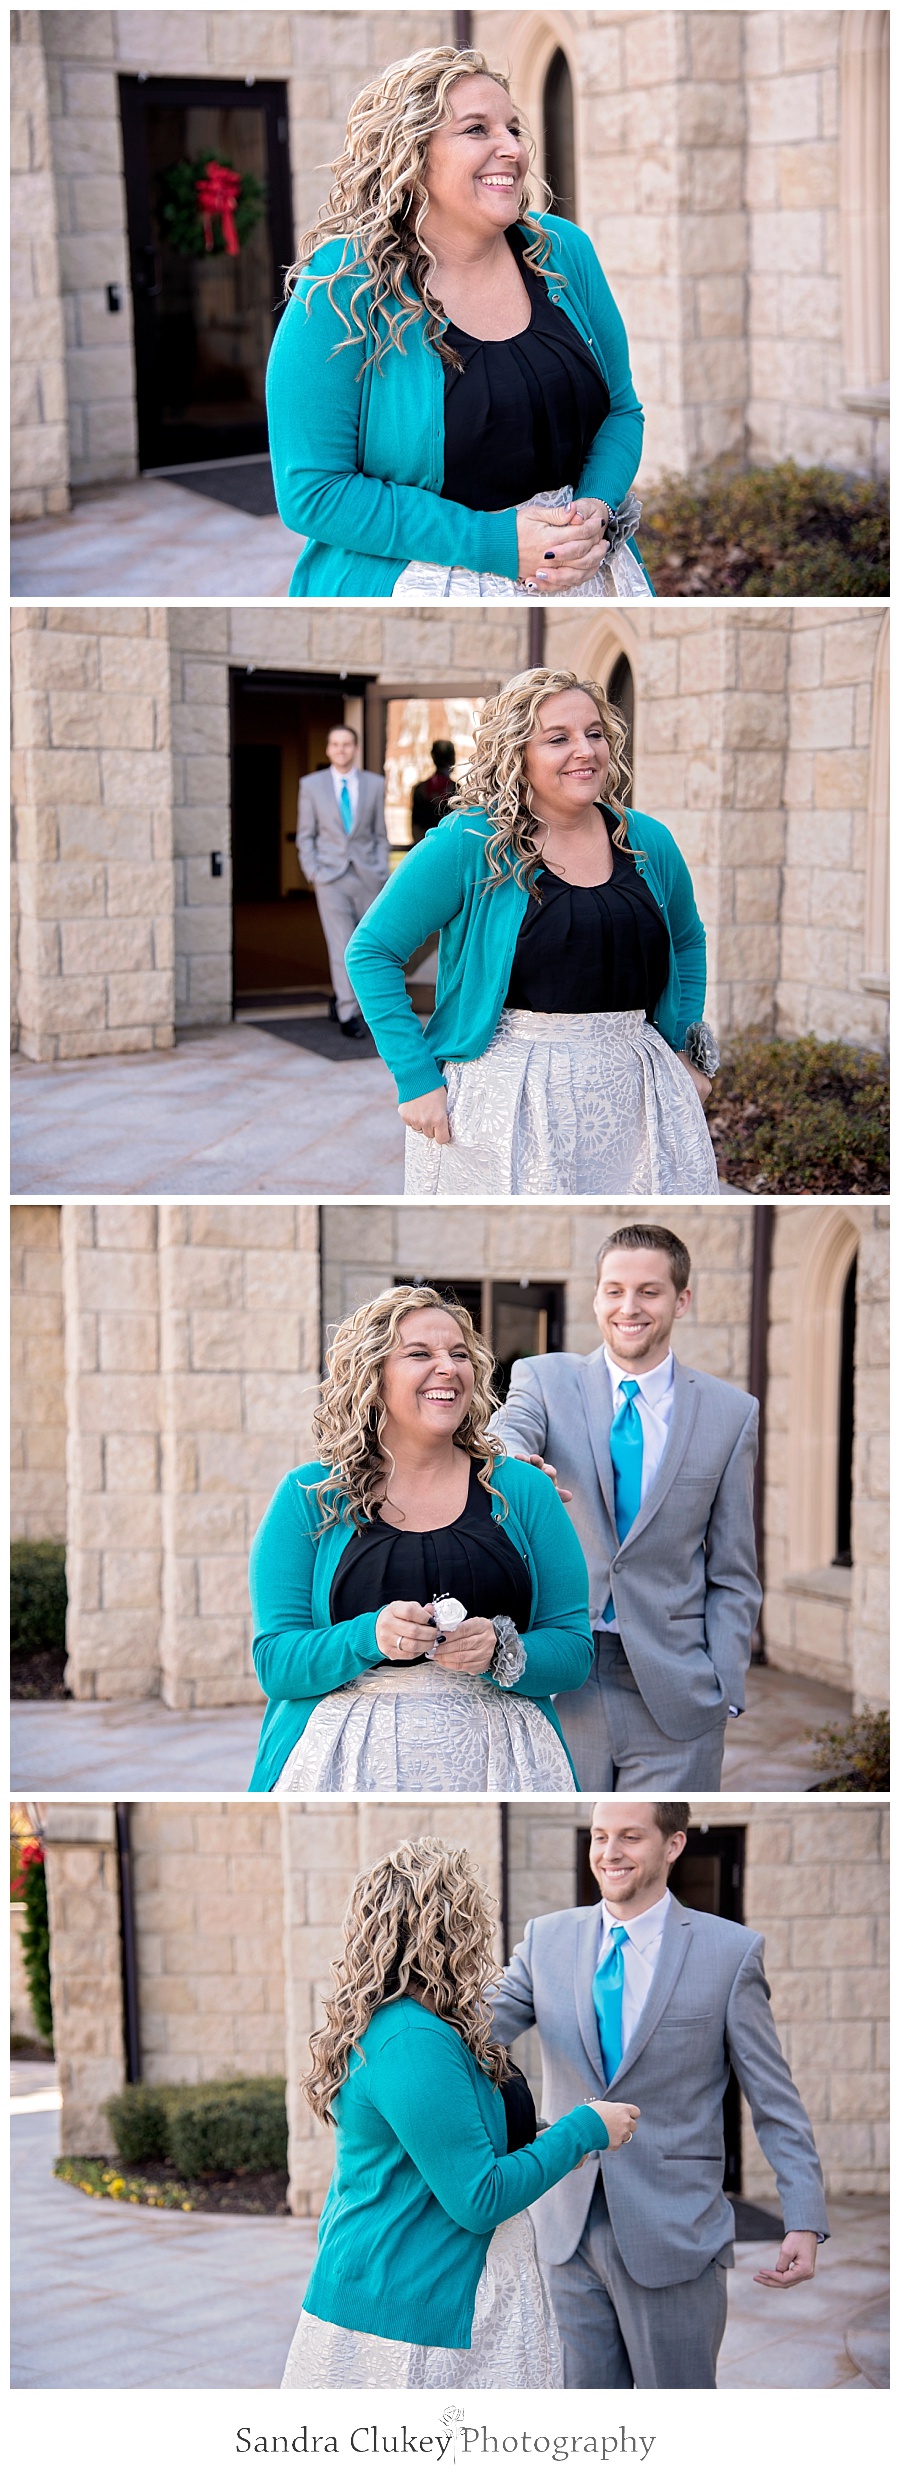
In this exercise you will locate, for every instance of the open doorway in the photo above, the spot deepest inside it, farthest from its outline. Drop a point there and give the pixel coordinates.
(280, 723)
(207, 297)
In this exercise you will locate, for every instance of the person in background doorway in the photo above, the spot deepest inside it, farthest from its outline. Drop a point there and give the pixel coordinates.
(343, 850)
(431, 799)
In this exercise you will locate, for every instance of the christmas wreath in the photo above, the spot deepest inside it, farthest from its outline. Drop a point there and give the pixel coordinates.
(207, 206)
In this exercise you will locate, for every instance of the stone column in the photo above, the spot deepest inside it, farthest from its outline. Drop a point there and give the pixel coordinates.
(38, 1376)
(83, 55)
(870, 1607)
(38, 409)
(822, 981)
(240, 1361)
(113, 1405)
(92, 790)
(201, 818)
(208, 1917)
(85, 1968)
(325, 1846)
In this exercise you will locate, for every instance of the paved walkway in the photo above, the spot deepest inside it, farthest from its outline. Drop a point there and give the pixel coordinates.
(232, 1112)
(145, 1748)
(116, 2295)
(155, 539)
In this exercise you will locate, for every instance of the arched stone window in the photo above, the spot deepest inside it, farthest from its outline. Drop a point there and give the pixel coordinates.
(820, 1443)
(864, 170)
(620, 692)
(877, 923)
(558, 118)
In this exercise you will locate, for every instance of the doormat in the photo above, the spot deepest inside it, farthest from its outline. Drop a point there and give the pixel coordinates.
(751, 2221)
(315, 1033)
(248, 486)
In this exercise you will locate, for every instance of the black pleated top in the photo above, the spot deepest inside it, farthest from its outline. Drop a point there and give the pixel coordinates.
(591, 950)
(521, 414)
(473, 1559)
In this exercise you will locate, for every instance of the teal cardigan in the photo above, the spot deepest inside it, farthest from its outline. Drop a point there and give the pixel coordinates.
(358, 453)
(422, 2178)
(443, 884)
(300, 1654)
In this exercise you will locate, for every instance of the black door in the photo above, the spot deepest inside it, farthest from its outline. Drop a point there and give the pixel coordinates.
(204, 318)
(708, 1877)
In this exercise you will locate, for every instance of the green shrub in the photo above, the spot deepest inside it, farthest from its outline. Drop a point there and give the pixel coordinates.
(857, 1754)
(804, 1117)
(778, 529)
(229, 2127)
(139, 2122)
(234, 2123)
(37, 1597)
(30, 1888)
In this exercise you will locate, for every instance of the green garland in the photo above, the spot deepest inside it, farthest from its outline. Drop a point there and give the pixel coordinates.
(180, 215)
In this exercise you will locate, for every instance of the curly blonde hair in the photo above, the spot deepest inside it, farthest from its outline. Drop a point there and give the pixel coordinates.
(495, 780)
(378, 201)
(418, 1917)
(348, 1426)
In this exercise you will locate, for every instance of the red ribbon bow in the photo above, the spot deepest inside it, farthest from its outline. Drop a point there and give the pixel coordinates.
(218, 191)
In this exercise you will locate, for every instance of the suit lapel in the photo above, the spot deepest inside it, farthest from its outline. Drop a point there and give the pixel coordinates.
(585, 1967)
(596, 1396)
(684, 1414)
(676, 1940)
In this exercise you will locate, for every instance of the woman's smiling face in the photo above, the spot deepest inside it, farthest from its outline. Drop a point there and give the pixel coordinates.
(567, 757)
(477, 161)
(428, 1378)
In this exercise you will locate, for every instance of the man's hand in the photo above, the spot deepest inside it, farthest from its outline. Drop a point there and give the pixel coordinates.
(428, 1114)
(796, 2262)
(565, 1495)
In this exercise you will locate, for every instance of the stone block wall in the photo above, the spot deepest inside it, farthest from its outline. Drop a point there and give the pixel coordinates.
(114, 1407)
(92, 796)
(38, 406)
(325, 1845)
(209, 1921)
(201, 813)
(822, 1621)
(365, 1248)
(85, 1967)
(798, 321)
(37, 1377)
(823, 974)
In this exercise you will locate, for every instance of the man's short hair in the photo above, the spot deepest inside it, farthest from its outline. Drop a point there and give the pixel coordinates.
(343, 727)
(672, 1817)
(651, 1236)
(443, 753)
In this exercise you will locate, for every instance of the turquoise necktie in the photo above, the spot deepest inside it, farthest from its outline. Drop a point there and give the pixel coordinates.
(609, 1984)
(626, 1447)
(346, 810)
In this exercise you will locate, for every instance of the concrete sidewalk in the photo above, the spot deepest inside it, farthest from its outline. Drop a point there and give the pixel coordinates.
(231, 1112)
(156, 539)
(117, 2295)
(144, 1748)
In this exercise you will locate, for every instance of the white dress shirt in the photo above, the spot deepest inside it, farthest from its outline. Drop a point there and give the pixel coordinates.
(654, 1409)
(352, 782)
(640, 1956)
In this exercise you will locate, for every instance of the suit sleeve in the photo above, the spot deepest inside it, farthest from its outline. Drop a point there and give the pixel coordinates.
(450, 2145)
(779, 2117)
(733, 1592)
(513, 2005)
(314, 387)
(306, 834)
(294, 1659)
(522, 1421)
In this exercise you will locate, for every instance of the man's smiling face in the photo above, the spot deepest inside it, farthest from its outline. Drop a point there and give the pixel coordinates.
(636, 1306)
(630, 1858)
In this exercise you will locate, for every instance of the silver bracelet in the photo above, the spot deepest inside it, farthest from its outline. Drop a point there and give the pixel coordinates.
(509, 1657)
(701, 1048)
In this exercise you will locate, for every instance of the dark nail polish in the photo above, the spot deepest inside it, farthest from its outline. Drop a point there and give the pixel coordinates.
(549, 555)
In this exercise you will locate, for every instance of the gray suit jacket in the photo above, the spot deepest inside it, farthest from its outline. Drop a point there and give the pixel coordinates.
(326, 850)
(708, 2010)
(684, 1582)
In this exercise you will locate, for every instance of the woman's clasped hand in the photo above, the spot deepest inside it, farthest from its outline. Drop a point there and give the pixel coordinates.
(561, 547)
(406, 1630)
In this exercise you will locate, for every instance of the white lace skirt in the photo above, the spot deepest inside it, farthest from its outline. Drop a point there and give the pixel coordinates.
(514, 2338)
(569, 1106)
(426, 1730)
